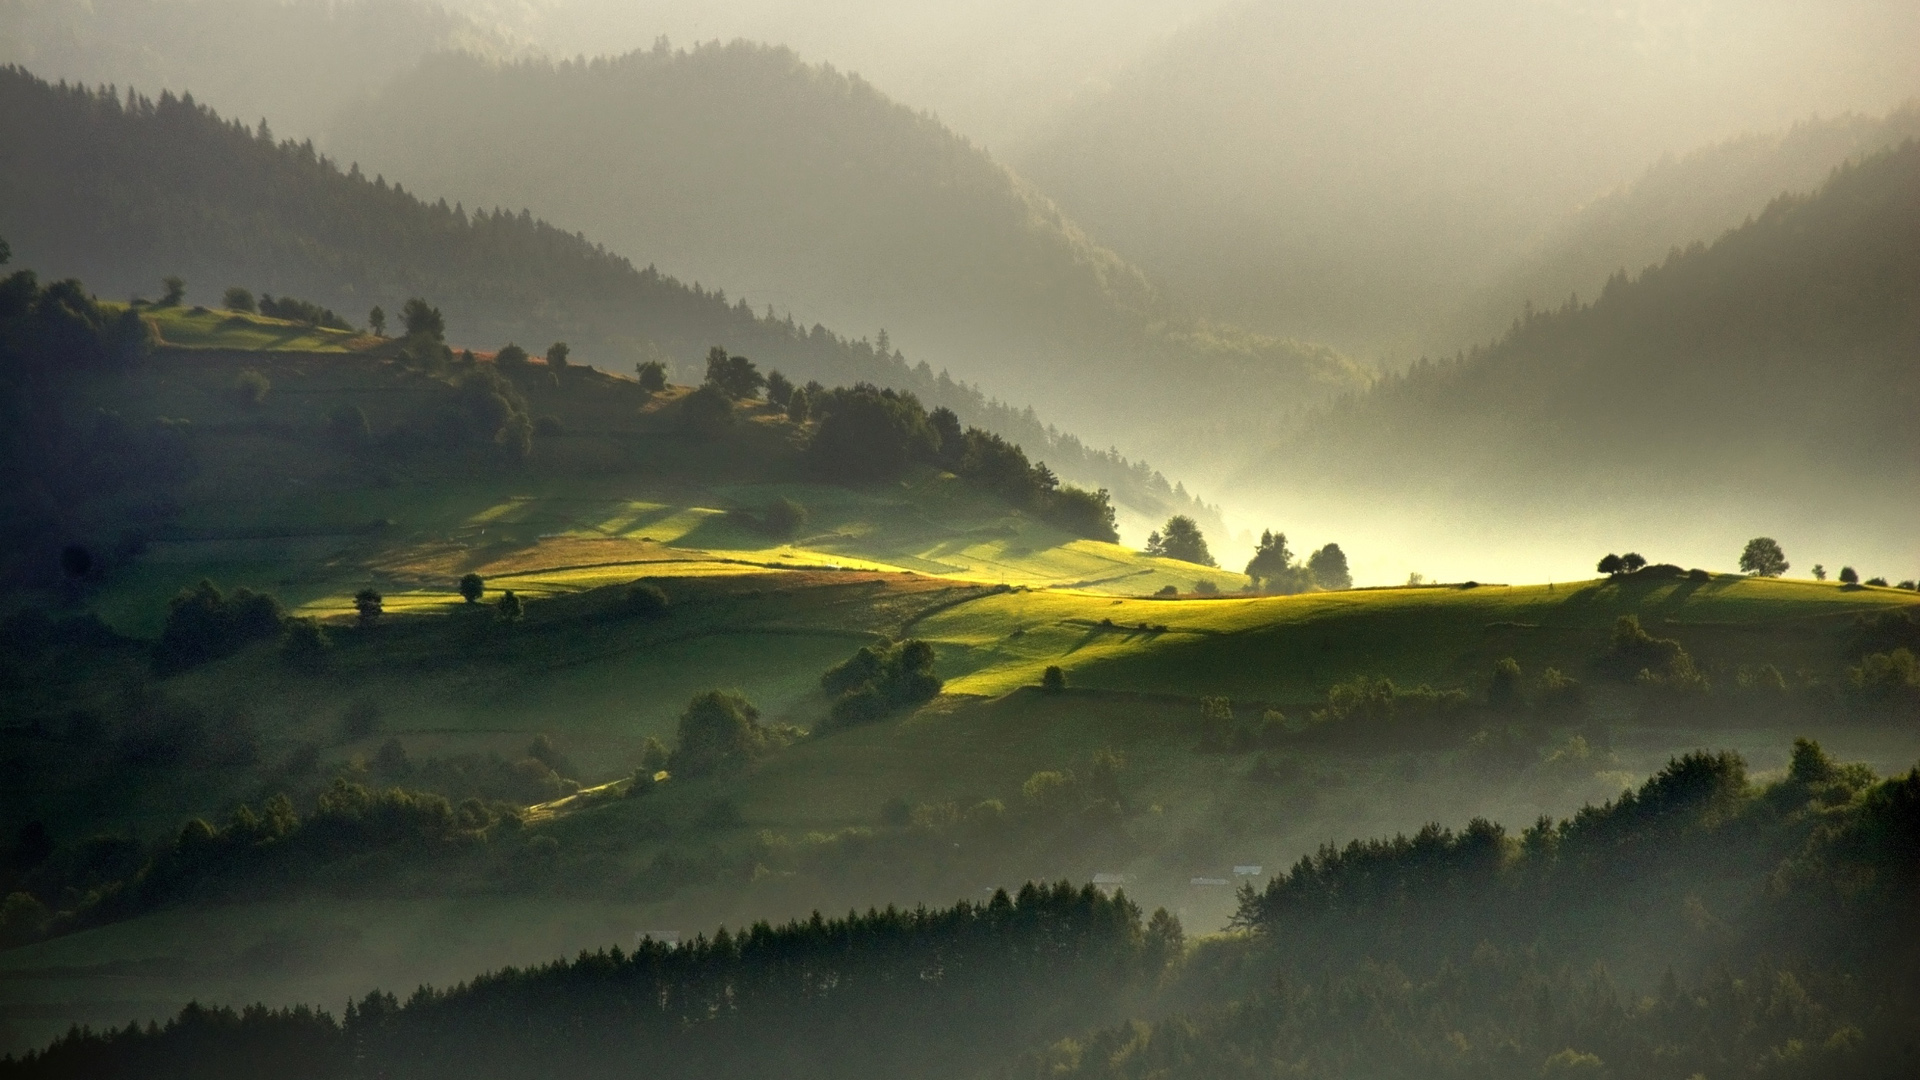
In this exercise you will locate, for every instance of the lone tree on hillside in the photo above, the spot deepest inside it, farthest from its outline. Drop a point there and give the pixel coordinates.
(652, 375)
(1272, 562)
(377, 320)
(472, 588)
(423, 320)
(511, 357)
(237, 299)
(1053, 680)
(510, 607)
(720, 729)
(734, 376)
(175, 290)
(369, 603)
(1612, 565)
(800, 407)
(1329, 566)
(1632, 561)
(1819, 572)
(557, 354)
(779, 389)
(1849, 576)
(1180, 538)
(1763, 558)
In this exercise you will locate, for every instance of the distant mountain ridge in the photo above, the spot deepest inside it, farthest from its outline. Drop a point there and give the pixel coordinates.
(120, 193)
(798, 184)
(1775, 367)
(1697, 196)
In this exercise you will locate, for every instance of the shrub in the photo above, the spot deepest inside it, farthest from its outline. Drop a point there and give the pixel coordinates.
(1561, 694)
(800, 407)
(1084, 513)
(1168, 590)
(1890, 678)
(347, 427)
(237, 299)
(1053, 680)
(652, 375)
(510, 607)
(645, 600)
(720, 729)
(251, 388)
(557, 354)
(510, 358)
(707, 412)
(305, 645)
(878, 678)
(1849, 576)
(1503, 692)
(1206, 587)
(779, 389)
(204, 625)
(369, 604)
(734, 376)
(472, 588)
(1879, 581)
(300, 311)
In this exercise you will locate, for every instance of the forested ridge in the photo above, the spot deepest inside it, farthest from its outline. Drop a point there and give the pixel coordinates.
(810, 185)
(1780, 353)
(120, 192)
(1701, 924)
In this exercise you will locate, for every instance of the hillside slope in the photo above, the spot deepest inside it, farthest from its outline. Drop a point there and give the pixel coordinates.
(121, 193)
(796, 184)
(1348, 173)
(1769, 377)
(293, 61)
(1694, 197)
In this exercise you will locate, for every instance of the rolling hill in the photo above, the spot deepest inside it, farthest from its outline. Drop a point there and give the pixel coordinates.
(120, 194)
(416, 789)
(801, 186)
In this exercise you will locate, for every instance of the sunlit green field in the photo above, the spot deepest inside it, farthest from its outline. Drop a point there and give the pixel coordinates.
(201, 328)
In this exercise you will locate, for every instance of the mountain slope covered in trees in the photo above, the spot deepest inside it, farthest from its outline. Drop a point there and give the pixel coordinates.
(293, 61)
(1773, 370)
(1350, 172)
(120, 194)
(1697, 196)
(802, 186)
(1741, 929)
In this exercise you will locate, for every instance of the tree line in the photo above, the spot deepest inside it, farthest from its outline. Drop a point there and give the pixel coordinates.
(119, 189)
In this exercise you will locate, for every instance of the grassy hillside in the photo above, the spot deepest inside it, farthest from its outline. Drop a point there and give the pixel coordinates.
(121, 193)
(795, 184)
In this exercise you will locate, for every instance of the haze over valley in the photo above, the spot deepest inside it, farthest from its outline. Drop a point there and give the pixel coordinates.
(819, 538)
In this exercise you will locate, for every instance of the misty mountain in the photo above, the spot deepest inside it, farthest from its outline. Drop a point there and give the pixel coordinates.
(1697, 196)
(811, 190)
(120, 194)
(1773, 368)
(292, 61)
(1350, 172)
